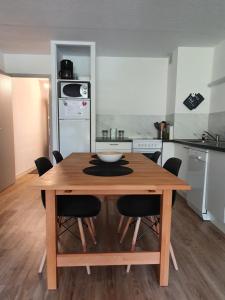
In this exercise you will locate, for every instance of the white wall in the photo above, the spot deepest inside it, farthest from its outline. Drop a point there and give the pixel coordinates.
(217, 102)
(27, 64)
(2, 68)
(219, 62)
(193, 75)
(30, 107)
(190, 72)
(171, 84)
(131, 85)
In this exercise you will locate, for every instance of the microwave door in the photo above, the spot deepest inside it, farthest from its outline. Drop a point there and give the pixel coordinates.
(74, 109)
(72, 90)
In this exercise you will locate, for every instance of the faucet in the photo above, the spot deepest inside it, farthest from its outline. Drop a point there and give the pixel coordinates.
(215, 138)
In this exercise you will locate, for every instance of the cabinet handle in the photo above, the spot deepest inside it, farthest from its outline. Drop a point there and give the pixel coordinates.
(113, 144)
(186, 147)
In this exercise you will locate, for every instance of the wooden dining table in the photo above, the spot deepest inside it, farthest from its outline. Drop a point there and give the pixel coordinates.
(68, 178)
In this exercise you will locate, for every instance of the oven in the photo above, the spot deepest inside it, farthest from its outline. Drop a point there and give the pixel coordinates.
(147, 147)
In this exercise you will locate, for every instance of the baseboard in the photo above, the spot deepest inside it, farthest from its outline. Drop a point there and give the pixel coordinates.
(24, 173)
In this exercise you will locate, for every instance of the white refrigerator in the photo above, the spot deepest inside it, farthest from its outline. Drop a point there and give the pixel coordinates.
(74, 126)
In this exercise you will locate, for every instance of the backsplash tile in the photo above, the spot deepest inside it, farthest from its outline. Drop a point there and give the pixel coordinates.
(217, 123)
(190, 126)
(170, 119)
(135, 126)
(186, 126)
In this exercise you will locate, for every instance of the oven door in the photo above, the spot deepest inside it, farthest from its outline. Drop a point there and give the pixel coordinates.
(75, 90)
(149, 153)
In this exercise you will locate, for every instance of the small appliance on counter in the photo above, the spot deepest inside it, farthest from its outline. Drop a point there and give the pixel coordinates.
(66, 69)
(162, 130)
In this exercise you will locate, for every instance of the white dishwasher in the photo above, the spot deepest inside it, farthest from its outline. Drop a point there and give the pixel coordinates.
(197, 178)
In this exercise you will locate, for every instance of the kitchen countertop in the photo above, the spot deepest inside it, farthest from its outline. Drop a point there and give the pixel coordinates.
(117, 140)
(208, 145)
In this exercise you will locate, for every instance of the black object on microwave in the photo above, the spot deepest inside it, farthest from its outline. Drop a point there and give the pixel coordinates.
(66, 69)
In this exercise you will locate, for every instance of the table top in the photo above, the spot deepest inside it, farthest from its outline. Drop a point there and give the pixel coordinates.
(68, 175)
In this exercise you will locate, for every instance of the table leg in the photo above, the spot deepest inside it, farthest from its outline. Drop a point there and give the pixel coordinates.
(165, 225)
(51, 239)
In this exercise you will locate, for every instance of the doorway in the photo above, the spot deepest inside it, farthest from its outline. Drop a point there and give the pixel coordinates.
(30, 102)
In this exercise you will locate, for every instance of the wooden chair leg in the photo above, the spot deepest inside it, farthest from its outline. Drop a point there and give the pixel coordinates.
(173, 258)
(120, 224)
(125, 229)
(87, 220)
(83, 241)
(137, 225)
(171, 251)
(43, 259)
(92, 226)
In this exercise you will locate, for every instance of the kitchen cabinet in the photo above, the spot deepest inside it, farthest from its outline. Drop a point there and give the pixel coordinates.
(216, 188)
(114, 146)
(167, 151)
(181, 152)
(197, 178)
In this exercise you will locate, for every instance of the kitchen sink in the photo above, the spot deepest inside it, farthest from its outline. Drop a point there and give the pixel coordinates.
(208, 142)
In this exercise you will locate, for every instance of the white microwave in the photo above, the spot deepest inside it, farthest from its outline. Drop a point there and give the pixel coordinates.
(79, 90)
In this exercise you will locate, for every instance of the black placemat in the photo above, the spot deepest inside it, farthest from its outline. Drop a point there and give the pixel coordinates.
(107, 171)
(96, 156)
(99, 162)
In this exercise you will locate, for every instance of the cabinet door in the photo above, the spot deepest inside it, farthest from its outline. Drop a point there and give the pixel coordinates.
(167, 151)
(181, 152)
(7, 160)
(216, 187)
(114, 146)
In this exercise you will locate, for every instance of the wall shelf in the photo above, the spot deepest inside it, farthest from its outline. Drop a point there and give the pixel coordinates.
(217, 82)
(72, 80)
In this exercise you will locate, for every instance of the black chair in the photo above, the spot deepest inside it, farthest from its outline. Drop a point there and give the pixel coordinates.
(147, 206)
(57, 155)
(153, 156)
(72, 206)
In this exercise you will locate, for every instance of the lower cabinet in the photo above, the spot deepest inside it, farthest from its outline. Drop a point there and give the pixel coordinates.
(216, 188)
(167, 151)
(182, 152)
(114, 146)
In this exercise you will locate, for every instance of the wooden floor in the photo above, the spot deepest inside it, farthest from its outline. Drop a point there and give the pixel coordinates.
(198, 245)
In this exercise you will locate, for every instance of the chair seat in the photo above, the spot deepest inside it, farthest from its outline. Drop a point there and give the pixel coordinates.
(78, 206)
(139, 205)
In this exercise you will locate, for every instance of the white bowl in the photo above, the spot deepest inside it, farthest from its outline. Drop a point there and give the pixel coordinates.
(109, 156)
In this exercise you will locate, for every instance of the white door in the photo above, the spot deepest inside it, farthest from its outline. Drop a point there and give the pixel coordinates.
(74, 136)
(7, 160)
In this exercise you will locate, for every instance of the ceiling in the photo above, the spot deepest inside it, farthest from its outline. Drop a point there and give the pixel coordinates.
(119, 27)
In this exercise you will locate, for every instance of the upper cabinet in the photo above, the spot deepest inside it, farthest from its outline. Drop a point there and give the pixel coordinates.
(82, 56)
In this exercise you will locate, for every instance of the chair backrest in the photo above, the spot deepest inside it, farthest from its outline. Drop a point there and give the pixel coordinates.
(58, 156)
(155, 156)
(43, 164)
(173, 165)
